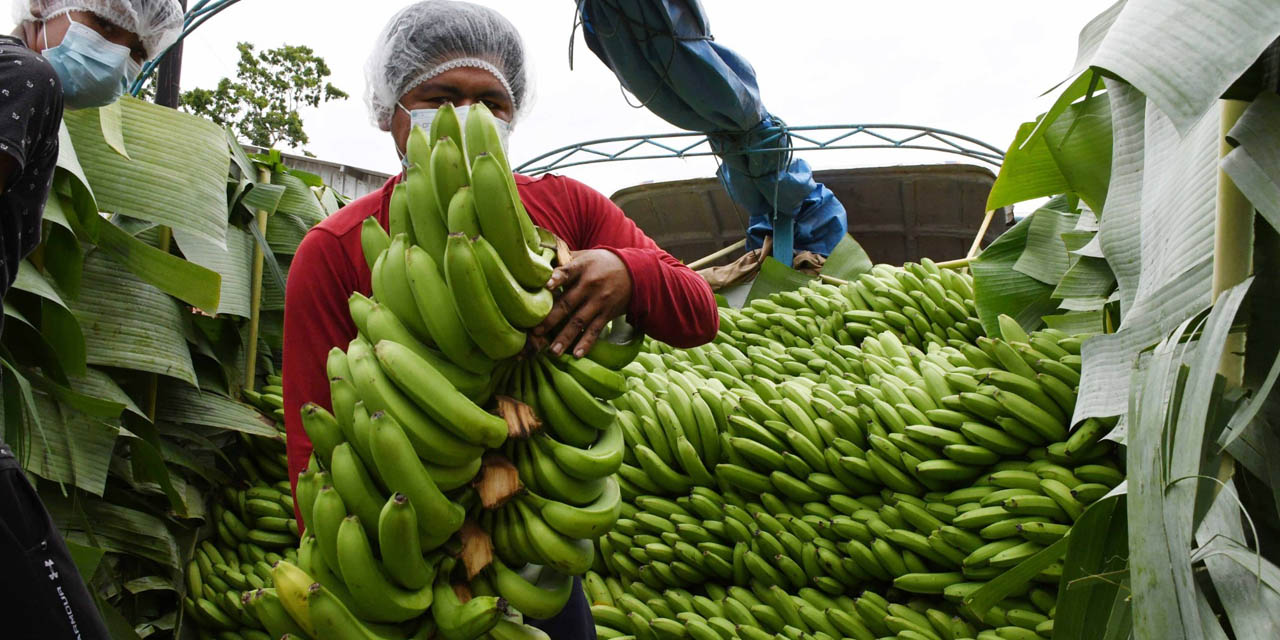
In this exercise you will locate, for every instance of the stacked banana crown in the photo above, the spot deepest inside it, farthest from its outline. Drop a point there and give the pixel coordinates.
(229, 584)
(460, 480)
(848, 462)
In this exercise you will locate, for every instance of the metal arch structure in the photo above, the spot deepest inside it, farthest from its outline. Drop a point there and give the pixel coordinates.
(203, 11)
(828, 137)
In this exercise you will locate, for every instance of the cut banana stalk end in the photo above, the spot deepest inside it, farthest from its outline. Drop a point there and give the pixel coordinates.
(477, 549)
(499, 481)
(521, 420)
(463, 592)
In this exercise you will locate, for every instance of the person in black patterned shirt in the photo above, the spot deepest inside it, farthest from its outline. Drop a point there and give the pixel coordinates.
(78, 54)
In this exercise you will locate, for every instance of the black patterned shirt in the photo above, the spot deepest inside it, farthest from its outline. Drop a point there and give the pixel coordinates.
(30, 115)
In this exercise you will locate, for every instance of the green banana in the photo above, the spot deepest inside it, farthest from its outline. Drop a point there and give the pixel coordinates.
(524, 308)
(373, 240)
(449, 169)
(577, 398)
(438, 518)
(502, 222)
(567, 555)
(602, 459)
(439, 311)
(436, 396)
(588, 521)
(359, 493)
(382, 324)
(430, 441)
(375, 597)
(323, 430)
(461, 214)
(476, 306)
(391, 288)
(429, 230)
(541, 596)
(400, 546)
(398, 221)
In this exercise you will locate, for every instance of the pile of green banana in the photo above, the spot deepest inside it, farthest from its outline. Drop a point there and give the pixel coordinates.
(254, 529)
(460, 479)
(863, 440)
(269, 399)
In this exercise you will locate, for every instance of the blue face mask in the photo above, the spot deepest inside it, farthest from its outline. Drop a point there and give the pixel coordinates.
(94, 71)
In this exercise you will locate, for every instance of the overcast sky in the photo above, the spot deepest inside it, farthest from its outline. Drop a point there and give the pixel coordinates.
(976, 68)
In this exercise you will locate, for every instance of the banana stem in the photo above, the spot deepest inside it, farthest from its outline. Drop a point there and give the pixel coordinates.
(704, 261)
(153, 387)
(255, 300)
(982, 232)
(962, 263)
(1232, 258)
(1233, 243)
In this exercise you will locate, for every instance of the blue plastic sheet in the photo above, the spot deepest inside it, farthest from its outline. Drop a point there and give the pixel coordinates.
(662, 53)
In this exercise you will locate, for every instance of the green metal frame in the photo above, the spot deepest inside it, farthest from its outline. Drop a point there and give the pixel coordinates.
(786, 139)
(196, 16)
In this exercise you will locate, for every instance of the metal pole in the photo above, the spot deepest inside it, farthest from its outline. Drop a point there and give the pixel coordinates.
(169, 79)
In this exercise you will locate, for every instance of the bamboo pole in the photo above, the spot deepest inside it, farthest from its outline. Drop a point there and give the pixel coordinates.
(982, 233)
(153, 389)
(1233, 243)
(255, 291)
(704, 261)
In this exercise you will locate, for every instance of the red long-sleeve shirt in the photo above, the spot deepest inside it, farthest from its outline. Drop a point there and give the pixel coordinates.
(668, 300)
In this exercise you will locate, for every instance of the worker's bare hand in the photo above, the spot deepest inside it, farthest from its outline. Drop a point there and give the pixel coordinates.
(597, 289)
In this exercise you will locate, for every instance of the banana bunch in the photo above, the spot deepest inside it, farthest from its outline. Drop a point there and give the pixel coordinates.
(254, 529)
(459, 479)
(269, 399)
(844, 440)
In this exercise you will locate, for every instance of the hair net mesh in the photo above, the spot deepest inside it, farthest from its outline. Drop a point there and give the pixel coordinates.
(427, 34)
(156, 22)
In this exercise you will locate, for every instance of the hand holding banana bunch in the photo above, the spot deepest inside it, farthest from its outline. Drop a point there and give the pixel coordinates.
(461, 477)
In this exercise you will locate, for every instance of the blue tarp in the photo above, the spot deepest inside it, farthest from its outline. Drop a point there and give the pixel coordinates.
(663, 53)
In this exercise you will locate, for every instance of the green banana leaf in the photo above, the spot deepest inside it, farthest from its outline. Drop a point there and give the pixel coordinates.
(1094, 598)
(285, 232)
(1029, 171)
(847, 261)
(298, 199)
(71, 447)
(1120, 230)
(1002, 290)
(115, 529)
(1045, 257)
(1080, 143)
(1254, 165)
(233, 265)
(187, 405)
(775, 277)
(130, 324)
(1183, 54)
(177, 174)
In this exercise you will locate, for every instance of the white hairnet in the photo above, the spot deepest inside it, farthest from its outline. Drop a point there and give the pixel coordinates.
(428, 38)
(157, 23)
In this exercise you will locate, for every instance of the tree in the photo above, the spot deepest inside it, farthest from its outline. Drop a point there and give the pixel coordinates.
(261, 105)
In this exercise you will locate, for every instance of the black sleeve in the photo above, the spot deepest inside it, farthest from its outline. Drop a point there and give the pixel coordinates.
(30, 104)
(30, 116)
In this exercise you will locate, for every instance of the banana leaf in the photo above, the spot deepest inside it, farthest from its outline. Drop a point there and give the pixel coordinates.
(1080, 143)
(284, 233)
(1183, 54)
(1002, 290)
(847, 261)
(775, 277)
(1045, 257)
(115, 529)
(298, 200)
(189, 405)
(1091, 592)
(1254, 165)
(71, 448)
(1029, 171)
(233, 265)
(177, 174)
(130, 324)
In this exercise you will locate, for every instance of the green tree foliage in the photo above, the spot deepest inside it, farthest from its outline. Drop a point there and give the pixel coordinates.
(261, 104)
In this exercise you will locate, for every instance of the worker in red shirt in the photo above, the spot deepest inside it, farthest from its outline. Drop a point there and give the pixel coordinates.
(438, 52)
